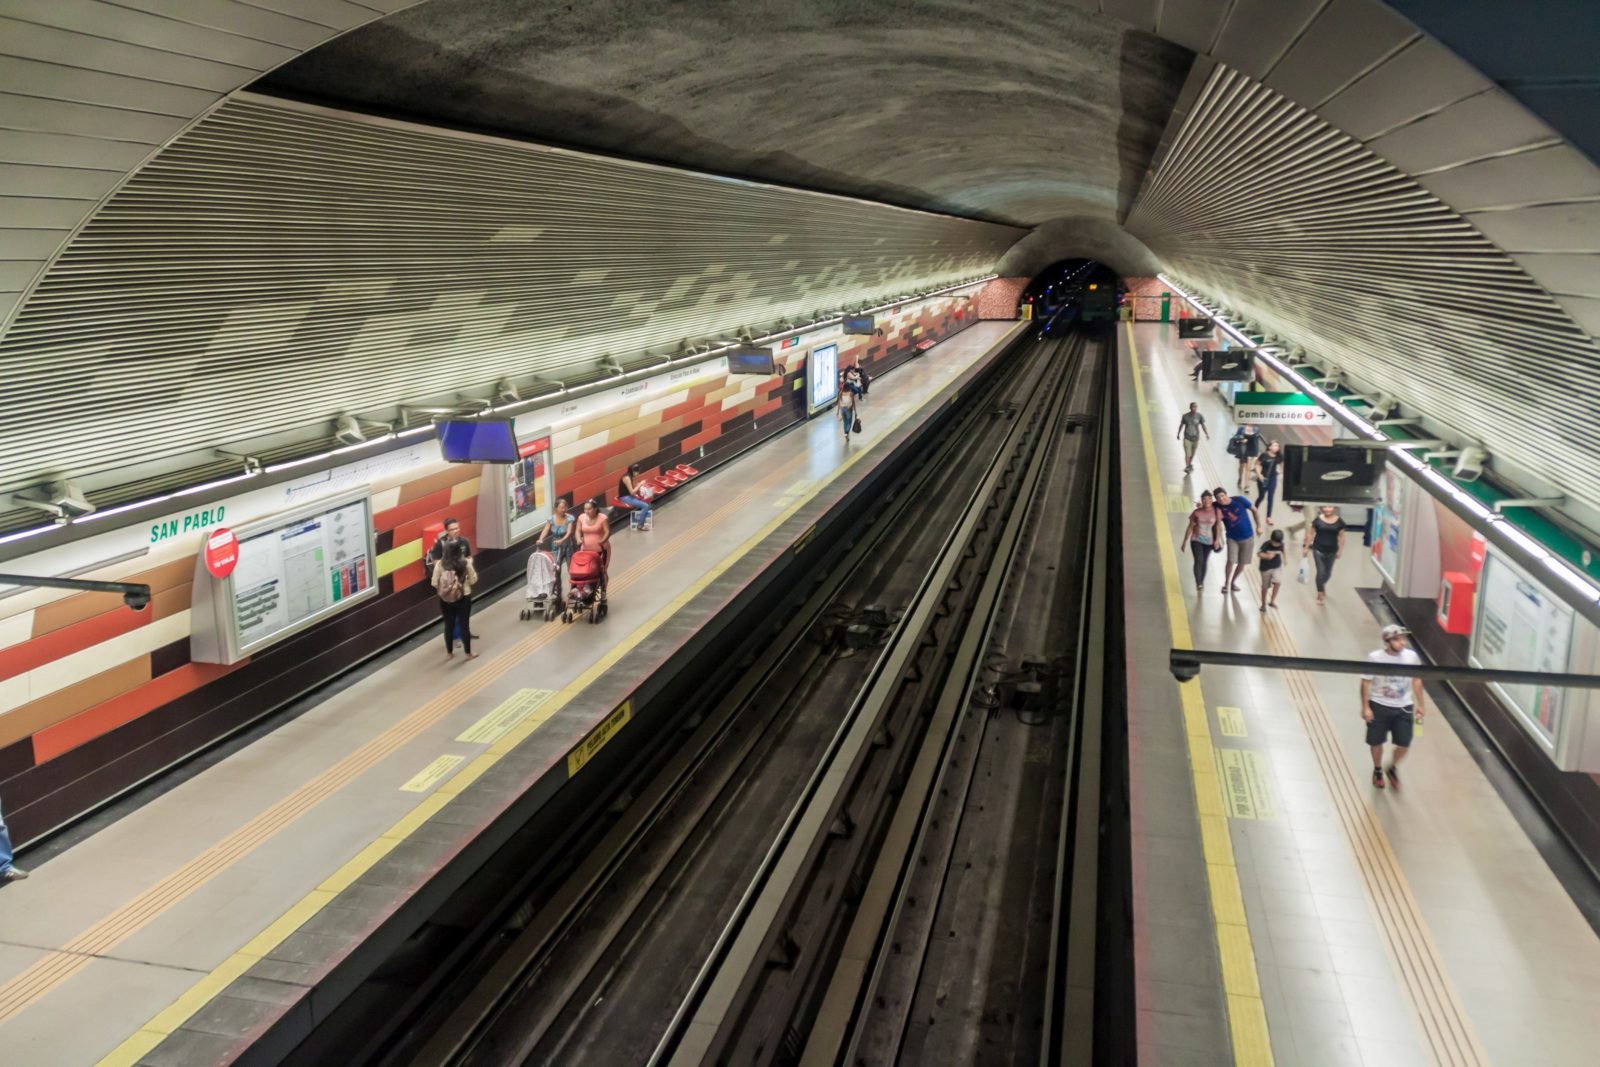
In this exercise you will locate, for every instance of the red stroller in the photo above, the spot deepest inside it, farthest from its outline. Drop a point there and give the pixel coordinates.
(586, 586)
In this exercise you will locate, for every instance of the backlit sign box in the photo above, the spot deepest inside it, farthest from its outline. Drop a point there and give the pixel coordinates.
(822, 377)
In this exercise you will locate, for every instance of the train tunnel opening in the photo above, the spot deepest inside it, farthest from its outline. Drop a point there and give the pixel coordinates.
(1073, 291)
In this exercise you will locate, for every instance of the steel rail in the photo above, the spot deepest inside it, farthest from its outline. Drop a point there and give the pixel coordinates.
(699, 1026)
(861, 968)
(455, 1039)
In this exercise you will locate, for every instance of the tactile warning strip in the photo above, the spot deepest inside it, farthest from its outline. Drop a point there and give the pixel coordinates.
(1442, 1018)
(48, 972)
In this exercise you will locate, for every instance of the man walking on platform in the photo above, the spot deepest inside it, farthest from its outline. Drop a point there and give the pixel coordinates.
(1190, 426)
(1239, 518)
(1391, 704)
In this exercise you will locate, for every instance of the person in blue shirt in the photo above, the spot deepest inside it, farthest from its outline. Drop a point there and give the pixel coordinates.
(1239, 519)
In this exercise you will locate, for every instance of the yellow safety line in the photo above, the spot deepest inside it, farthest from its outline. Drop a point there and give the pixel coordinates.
(202, 992)
(1247, 1015)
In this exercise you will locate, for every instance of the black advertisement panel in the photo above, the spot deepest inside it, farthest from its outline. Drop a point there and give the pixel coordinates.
(751, 361)
(1197, 329)
(1234, 365)
(1332, 474)
(859, 324)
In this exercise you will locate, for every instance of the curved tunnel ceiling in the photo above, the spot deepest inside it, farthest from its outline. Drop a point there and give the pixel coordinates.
(1018, 112)
(1038, 113)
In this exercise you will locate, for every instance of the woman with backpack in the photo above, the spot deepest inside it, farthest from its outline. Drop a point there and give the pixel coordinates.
(1245, 446)
(453, 579)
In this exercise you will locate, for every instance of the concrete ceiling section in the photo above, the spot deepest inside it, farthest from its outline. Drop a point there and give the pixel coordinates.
(1541, 51)
(1038, 112)
(281, 264)
(1078, 238)
(1270, 209)
(1018, 112)
(91, 89)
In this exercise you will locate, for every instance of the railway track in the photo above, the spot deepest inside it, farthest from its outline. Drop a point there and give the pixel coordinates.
(712, 919)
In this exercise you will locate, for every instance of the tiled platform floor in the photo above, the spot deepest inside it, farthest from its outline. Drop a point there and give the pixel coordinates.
(1394, 927)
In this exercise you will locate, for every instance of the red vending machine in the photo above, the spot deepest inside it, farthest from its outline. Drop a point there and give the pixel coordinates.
(1456, 592)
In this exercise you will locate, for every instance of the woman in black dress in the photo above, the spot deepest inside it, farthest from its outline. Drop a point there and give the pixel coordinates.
(1325, 542)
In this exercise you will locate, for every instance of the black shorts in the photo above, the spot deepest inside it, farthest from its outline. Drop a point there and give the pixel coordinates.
(1387, 721)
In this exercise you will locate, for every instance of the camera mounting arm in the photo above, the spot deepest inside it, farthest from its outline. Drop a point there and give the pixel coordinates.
(135, 595)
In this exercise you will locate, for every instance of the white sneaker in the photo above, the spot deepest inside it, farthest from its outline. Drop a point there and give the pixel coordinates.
(13, 874)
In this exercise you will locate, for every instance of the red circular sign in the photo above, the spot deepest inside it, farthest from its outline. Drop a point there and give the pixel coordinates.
(222, 552)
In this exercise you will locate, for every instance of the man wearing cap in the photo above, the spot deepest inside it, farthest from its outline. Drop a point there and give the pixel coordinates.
(1391, 704)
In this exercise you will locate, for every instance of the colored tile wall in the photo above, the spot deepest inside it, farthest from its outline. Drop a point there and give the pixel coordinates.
(94, 696)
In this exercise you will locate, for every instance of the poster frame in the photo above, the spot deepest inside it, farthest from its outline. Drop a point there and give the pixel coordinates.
(216, 637)
(811, 367)
(494, 503)
(1554, 745)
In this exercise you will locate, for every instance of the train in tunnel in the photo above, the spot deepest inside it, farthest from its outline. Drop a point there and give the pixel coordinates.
(1074, 291)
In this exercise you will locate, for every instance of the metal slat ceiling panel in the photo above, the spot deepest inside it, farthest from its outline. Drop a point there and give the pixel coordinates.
(281, 263)
(1280, 215)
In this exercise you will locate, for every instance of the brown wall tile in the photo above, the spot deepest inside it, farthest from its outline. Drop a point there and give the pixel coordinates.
(34, 716)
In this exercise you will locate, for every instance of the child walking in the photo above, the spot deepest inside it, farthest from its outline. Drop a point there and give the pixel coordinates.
(1271, 557)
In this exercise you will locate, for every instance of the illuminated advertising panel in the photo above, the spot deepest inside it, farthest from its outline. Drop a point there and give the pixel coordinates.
(526, 497)
(822, 377)
(1388, 520)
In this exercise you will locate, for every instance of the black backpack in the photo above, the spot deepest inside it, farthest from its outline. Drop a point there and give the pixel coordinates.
(1236, 445)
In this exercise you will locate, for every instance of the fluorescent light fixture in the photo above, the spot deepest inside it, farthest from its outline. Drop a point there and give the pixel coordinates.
(1520, 539)
(420, 431)
(1459, 495)
(204, 487)
(24, 534)
(1491, 521)
(1572, 578)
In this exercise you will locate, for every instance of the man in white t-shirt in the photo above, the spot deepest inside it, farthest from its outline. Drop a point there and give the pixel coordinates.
(1391, 704)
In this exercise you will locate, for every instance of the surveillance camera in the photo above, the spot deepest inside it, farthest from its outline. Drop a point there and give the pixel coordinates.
(1469, 465)
(348, 430)
(1184, 670)
(136, 601)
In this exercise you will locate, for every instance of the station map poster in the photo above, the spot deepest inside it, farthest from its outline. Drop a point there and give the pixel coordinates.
(822, 377)
(1522, 626)
(530, 488)
(1387, 519)
(294, 569)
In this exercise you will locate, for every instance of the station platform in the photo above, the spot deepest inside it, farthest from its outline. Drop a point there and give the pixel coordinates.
(183, 930)
(1286, 911)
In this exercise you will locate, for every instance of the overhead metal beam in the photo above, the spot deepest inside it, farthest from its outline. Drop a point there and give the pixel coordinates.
(1185, 664)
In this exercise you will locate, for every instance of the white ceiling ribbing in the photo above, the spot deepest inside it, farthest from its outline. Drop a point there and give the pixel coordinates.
(1309, 233)
(281, 263)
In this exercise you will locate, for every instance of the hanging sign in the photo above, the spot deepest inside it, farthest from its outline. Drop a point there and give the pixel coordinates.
(1279, 409)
